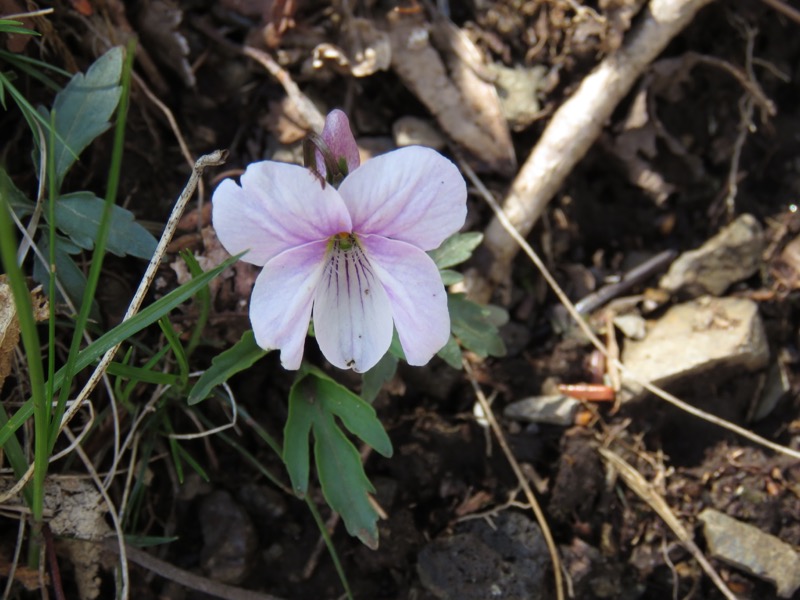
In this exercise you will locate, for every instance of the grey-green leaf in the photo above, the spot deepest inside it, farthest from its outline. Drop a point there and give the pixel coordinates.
(239, 357)
(83, 108)
(451, 353)
(21, 206)
(476, 326)
(79, 214)
(456, 249)
(72, 279)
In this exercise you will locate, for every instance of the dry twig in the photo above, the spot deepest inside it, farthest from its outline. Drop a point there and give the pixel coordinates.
(647, 492)
(577, 123)
(521, 479)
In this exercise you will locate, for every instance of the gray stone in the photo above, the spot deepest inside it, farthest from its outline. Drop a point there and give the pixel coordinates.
(555, 410)
(732, 255)
(229, 538)
(695, 338)
(478, 562)
(750, 549)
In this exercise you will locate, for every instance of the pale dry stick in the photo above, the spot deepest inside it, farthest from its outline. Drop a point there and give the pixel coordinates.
(521, 479)
(784, 8)
(746, 107)
(27, 240)
(577, 123)
(87, 426)
(126, 489)
(176, 130)
(215, 158)
(642, 488)
(185, 578)
(12, 568)
(34, 13)
(304, 106)
(26, 476)
(210, 432)
(595, 341)
(87, 463)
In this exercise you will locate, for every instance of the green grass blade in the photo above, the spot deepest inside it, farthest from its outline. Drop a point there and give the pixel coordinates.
(33, 351)
(119, 334)
(141, 375)
(177, 349)
(203, 298)
(102, 238)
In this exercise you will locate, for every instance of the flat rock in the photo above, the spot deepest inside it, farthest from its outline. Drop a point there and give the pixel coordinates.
(554, 410)
(696, 337)
(750, 549)
(478, 562)
(229, 538)
(732, 255)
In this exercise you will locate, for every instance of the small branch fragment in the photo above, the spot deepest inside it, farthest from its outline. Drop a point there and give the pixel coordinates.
(578, 122)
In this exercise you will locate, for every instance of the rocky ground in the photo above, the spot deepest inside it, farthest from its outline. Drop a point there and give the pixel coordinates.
(694, 174)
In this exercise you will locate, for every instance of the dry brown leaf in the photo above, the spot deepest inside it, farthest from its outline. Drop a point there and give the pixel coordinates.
(158, 24)
(466, 106)
(9, 324)
(366, 51)
(9, 329)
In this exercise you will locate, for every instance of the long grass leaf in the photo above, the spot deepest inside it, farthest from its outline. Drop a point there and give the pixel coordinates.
(30, 342)
(105, 223)
(119, 334)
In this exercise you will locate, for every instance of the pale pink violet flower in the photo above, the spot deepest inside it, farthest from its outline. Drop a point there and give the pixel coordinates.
(354, 258)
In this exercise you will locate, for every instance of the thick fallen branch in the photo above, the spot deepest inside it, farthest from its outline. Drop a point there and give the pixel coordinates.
(577, 123)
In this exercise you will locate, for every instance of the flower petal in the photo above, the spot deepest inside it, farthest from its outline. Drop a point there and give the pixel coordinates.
(352, 315)
(278, 206)
(413, 194)
(416, 294)
(280, 307)
(340, 140)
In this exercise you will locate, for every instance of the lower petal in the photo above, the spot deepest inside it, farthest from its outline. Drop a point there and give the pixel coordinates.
(280, 306)
(416, 294)
(352, 315)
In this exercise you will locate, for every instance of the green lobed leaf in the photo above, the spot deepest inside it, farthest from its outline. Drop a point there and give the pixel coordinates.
(456, 249)
(450, 277)
(79, 214)
(314, 400)
(239, 357)
(451, 353)
(374, 379)
(357, 415)
(83, 108)
(302, 396)
(344, 484)
(476, 326)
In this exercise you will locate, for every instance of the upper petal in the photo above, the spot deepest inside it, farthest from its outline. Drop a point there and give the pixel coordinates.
(339, 138)
(280, 307)
(413, 194)
(352, 316)
(278, 206)
(416, 294)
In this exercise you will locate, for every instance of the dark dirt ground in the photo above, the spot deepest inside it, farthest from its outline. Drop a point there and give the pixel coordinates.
(613, 544)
